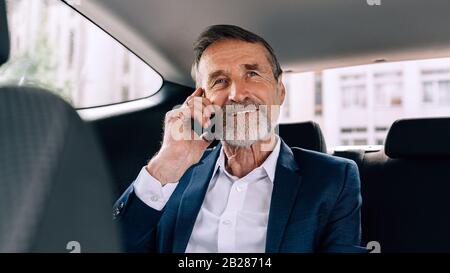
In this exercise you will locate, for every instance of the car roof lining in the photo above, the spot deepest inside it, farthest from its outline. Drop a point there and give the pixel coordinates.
(307, 35)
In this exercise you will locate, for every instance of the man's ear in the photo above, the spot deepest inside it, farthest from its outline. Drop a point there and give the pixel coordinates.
(281, 89)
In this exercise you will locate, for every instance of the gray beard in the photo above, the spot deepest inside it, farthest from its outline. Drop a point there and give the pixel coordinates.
(243, 132)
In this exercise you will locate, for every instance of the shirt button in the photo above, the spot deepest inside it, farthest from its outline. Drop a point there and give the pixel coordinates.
(226, 222)
(154, 198)
(239, 188)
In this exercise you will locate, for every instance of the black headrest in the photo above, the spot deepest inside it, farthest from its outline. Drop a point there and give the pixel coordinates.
(4, 36)
(306, 135)
(54, 182)
(416, 138)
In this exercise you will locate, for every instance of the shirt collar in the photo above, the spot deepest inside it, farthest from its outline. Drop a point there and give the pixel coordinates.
(269, 165)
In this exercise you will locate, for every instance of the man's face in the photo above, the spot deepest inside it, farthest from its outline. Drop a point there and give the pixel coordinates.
(237, 73)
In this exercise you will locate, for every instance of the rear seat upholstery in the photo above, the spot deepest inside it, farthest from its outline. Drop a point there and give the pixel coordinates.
(305, 135)
(405, 188)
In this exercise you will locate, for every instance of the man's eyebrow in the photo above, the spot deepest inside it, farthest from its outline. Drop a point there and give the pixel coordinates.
(251, 66)
(216, 74)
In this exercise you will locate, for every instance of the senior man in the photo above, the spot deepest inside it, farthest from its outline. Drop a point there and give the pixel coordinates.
(251, 192)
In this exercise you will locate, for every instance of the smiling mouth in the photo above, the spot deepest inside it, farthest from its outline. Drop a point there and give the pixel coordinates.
(245, 112)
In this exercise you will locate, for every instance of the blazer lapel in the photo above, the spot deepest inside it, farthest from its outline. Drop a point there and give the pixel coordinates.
(192, 200)
(286, 185)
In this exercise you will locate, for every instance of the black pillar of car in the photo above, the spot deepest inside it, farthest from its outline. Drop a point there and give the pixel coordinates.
(4, 35)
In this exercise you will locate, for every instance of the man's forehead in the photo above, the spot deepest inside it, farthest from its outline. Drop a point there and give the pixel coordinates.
(224, 55)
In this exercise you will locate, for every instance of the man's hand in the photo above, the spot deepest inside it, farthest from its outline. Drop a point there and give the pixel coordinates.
(181, 148)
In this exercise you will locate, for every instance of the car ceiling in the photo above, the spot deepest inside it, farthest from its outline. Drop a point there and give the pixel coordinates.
(307, 35)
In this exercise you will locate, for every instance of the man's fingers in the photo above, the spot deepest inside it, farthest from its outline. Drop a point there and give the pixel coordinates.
(201, 106)
(198, 92)
(207, 137)
(197, 100)
(197, 115)
(199, 110)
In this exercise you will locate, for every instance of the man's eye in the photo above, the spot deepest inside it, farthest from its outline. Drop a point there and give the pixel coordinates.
(220, 81)
(252, 73)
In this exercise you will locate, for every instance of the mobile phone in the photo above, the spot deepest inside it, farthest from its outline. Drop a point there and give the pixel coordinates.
(198, 129)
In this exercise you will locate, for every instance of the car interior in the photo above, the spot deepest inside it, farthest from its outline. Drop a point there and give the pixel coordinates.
(50, 158)
(62, 166)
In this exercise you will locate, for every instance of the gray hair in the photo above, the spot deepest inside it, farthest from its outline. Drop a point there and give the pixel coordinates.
(217, 33)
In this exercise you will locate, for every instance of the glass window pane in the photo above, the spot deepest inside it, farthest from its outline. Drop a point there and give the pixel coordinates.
(444, 92)
(427, 92)
(373, 96)
(54, 47)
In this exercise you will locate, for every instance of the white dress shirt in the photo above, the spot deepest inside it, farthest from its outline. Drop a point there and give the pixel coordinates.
(235, 212)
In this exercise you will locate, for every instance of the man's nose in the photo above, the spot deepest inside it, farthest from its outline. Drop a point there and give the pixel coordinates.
(238, 92)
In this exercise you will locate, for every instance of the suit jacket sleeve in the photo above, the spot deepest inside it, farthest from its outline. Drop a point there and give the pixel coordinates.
(343, 230)
(138, 222)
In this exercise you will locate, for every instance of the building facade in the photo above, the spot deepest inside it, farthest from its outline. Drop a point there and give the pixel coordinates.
(357, 105)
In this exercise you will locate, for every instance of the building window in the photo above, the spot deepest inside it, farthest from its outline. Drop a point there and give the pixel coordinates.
(360, 141)
(428, 96)
(436, 92)
(388, 89)
(353, 90)
(353, 141)
(354, 136)
(436, 71)
(354, 96)
(381, 129)
(348, 130)
(436, 87)
(444, 92)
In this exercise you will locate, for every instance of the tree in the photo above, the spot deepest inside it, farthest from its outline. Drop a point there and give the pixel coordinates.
(36, 66)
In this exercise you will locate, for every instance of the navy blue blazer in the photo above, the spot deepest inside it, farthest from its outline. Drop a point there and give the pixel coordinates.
(315, 207)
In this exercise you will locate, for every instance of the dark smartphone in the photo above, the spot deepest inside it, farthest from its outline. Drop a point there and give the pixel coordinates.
(211, 130)
(197, 128)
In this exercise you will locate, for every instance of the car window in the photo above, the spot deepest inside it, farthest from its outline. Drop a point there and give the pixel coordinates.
(357, 105)
(54, 47)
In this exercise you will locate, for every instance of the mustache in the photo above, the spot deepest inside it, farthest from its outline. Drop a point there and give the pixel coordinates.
(235, 107)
